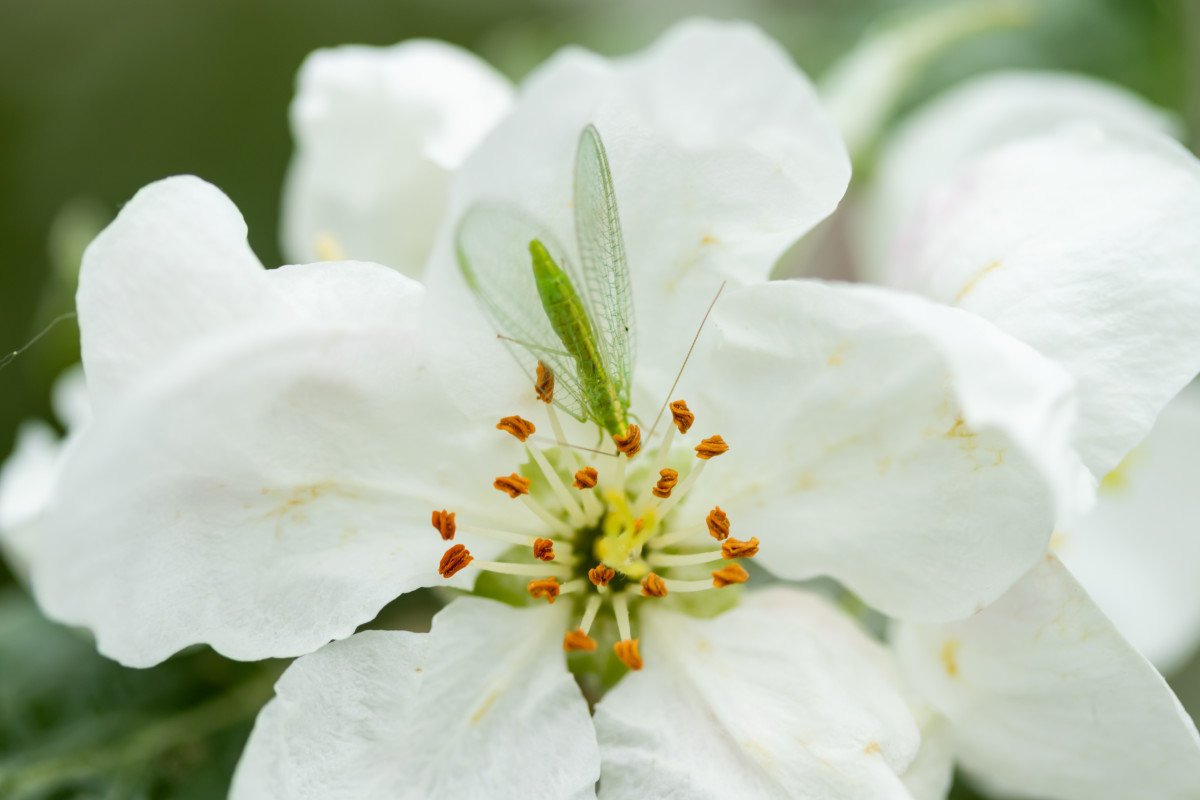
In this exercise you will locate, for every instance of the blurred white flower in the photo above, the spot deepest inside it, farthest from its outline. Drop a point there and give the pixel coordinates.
(1059, 209)
(379, 131)
(28, 474)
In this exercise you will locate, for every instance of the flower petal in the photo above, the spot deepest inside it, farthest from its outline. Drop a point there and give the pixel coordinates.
(27, 476)
(974, 117)
(482, 706)
(26, 480)
(1046, 699)
(1081, 243)
(378, 133)
(781, 697)
(271, 489)
(911, 451)
(172, 268)
(721, 158)
(1137, 552)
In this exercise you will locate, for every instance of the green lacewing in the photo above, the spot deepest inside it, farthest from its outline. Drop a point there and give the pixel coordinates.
(577, 319)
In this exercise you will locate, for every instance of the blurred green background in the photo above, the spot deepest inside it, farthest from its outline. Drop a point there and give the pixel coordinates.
(98, 99)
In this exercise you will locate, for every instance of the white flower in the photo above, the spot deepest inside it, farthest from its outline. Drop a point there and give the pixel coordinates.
(269, 447)
(1056, 207)
(28, 474)
(1137, 552)
(378, 133)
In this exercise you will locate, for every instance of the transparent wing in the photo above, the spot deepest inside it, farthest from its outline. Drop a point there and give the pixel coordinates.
(604, 275)
(492, 246)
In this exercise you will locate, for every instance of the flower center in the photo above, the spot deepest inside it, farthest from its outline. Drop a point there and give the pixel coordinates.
(613, 535)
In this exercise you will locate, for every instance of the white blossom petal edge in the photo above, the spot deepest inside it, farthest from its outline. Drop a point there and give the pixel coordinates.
(1046, 699)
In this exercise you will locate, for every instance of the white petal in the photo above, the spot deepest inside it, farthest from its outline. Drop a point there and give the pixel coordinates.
(931, 773)
(378, 132)
(482, 706)
(172, 268)
(28, 475)
(1047, 700)
(721, 159)
(273, 489)
(783, 697)
(980, 114)
(70, 399)
(26, 480)
(1138, 551)
(1081, 243)
(909, 450)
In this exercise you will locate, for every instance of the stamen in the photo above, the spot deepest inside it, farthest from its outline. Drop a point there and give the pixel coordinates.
(586, 478)
(453, 560)
(545, 588)
(718, 524)
(443, 521)
(577, 640)
(627, 651)
(653, 586)
(510, 537)
(526, 570)
(519, 427)
(735, 548)
(545, 516)
(601, 575)
(682, 416)
(730, 573)
(543, 549)
(545, 383)
(589, 613)
(677, 535)
(683, 559)
(631, 442)
(569, 503)
(677, 586)
(667, 478)
(711, 447)
(327, 247)
(621, 612)
(514, 485)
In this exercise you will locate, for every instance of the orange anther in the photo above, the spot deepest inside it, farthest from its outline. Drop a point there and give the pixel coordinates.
(653, 586)
(711, 447)
(730, 573)
(627, 651)
(543, 549)
(718, 524)
(667, 478)
(578, 640)
(517, 426)
(443, 521)
(544, 588)
(682, 415)
(454, 560)
(601, 575)
(544, 386)
(631, 442)
(735, 548)
(513, 486)
(586, 478)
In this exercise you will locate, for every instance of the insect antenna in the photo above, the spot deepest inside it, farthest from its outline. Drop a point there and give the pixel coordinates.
(550, 442)
(679, 374)
(10, 357)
